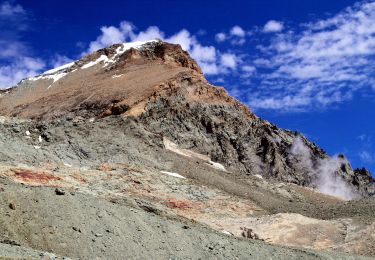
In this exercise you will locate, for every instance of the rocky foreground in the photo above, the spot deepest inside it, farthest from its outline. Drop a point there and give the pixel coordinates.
(131, 153)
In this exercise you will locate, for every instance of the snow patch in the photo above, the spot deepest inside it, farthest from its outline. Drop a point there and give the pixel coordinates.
(169, 145)
(63, 67)
(217, 165)
(119, 51)
(56, 74)
(127, 46)
(53, 74)
(117, 76)
(173, 174)
(53, 77)
(226, 233)
(93, 63)
(56, 77)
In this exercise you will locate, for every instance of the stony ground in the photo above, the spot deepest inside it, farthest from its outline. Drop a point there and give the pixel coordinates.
(108, 188)
(78, 225)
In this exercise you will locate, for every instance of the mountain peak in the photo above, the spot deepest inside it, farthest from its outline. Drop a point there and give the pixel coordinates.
(116, 54)
(122, 75)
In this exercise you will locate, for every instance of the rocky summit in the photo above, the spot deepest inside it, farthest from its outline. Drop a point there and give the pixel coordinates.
(130, 153)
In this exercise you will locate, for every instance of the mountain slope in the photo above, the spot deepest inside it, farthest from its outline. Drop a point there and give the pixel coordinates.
(161, 85)
(118, 74)
(123, 122)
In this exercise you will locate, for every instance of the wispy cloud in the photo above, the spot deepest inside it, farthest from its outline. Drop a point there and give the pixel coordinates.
(366, 157)
(236, 36)
(16, 62)
(323, 64)
(7, 9)
(365, 138)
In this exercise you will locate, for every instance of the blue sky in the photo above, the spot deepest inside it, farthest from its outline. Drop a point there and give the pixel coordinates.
(306, 65)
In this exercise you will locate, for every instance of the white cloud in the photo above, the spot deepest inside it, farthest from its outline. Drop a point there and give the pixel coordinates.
(210, 68)
(249, 69)
(204, 53)
(220, 37)
(7, 9)
(20, 68)
(236, 35)
(281, 103)
(11, 48)
(206, 56)
(183, 38)
(229, 60)
(261, 62)
(237, 31)
(238, 41)
(273, 26)
(151, 33)
(366, 157)
(247, 72)
(110, 35)
(365, 138)
(16, 61)
(332, 58)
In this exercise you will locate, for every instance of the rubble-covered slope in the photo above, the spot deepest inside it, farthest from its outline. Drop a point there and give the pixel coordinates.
(45, 224)
(115, 160)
